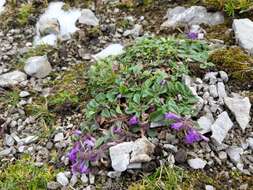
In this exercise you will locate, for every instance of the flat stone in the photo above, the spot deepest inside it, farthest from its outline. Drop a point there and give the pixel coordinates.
(213, 91)
(234, 153)
(243, 29)
(205, 122)
(84, 179)
(221, 127)
(38, 66)
(88, 17)
(24, 94)
(12, 78)
(240, 107)
(49, 26)
(197, 163)
(58, 137)
(29, 139)
(195, 15)
(114, 174)
(142, 150)
(5, 152)
(223, 76)
(62, 179)
(181, 156)
(135, 32)
(111, 50)
(53, 185)
(209, 187)
(211, 77)
(120, 155)
(8, 140)
(221, 90)
(250, 142)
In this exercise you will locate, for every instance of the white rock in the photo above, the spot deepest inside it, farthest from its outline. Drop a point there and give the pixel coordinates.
(250, 142)
(49, 26)
(120, 155)
(243, 29)
(221, 90)
(234, 154)
(240, 107)
(211, 77)
(114, 174)
(73, 180)
(180, 16)
(8, 140)
(29, 139)
(134, 166)
(38, 66)
(2, 3)
(12, 78)
(205, 122)
(135, 32)
(91, 178)
(213, 91)
(209, 187)
(223, 76)
(142, 149)
(50, 39)
(58, 137)
(221, 127)
(111, 50)
(88, 17)
(6, 152)
(24, 94)
(197, 163)
(62, 179)
(84, 178)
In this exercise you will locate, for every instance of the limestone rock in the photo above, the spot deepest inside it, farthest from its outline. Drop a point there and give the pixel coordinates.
(38, 66)
(234, 154)
(88, 17)
(243, 29)
(12, 78)
(197, 163)
(240, 107)
(221, 127)
(205, 122)
(111, 50)
(62, 179)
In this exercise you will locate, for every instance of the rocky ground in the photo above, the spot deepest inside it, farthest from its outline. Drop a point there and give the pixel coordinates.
(125, 95)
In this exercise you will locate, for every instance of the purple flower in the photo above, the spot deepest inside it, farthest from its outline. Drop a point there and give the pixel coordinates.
(178, 126)
(117, 130)
(89, 142)
(83, 168)
(73, 153)
(77, 132)
(192, 35)
(172, 116)
(192, 136)
(133, 120)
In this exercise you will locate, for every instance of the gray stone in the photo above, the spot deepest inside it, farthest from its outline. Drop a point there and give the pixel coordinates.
(205, 122)
(29, 139)
(52, 185)
(223, 76)
(111, 50)
(222, 155)
(62, 179)
(38, 66)
(211, 77)
(134, 166)
(58, 137)
(142, 149)
(221, 90)
(234, 154)
(84, 179)
(213, 91)
(135, 32)
(250, 142)
(12, 78)
(197, 163)
(240, 107)
(221, 127)
(8, 140)
(114, 174)
(88, 17)
(243, 29)
(91, 178)
(180, 16)
(209, 187)
(73, 180)
(24, 94)
(48, 26)
(181, 156)
(120, 155)
(5, 152)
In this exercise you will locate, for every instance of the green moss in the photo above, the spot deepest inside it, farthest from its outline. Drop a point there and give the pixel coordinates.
(10, 98)
(24, 12)
(219, 32)
(23, 174)
(233, 60)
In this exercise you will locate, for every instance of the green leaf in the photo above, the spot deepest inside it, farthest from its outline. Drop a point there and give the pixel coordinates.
(137, 98)
(152, 133)
(156, 116)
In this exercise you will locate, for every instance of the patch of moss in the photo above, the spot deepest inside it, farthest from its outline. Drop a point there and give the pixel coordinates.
(234, 61)
(24, 12)
(214, 4)
(10, 97)
(219, 32)
(23, 174)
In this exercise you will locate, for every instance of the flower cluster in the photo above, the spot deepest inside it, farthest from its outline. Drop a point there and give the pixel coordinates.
(192, 35)
(180, 123)
(82, 153)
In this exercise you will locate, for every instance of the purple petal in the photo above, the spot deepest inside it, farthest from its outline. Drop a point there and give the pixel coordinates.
(192, 136)
(172, 116)
(133, 120)
(177, 126)
(89, 143)
(117, 130)
(83, 168)
(73, 153)
(192, 35)
(77, 132)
